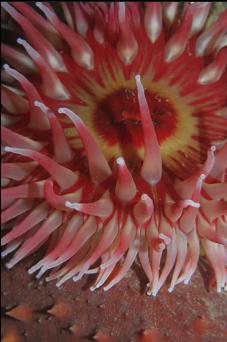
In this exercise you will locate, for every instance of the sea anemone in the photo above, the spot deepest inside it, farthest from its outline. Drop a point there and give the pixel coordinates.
(114, 140)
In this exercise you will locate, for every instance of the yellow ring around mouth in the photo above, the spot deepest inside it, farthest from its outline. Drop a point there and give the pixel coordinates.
(179, 140)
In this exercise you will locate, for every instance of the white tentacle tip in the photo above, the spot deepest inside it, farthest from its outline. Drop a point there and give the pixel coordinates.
(38, 4)
(213, 148)
(62, 110)
(7, 149)
(41, 105)
(120, 161)
(6, 67)
(92, 288)
(69, 204)
(20, 41)
(202, 176)
(149, 291)
(138, 78)
(9, 265)
(3, 254)
(165, 238)
(144, 197)
(186, 281)
(39, 275)
(192, 203)
(31, 270)
(202, 80)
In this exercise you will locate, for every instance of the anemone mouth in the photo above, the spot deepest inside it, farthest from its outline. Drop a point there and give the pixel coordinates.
(125, 128)
(118, 122)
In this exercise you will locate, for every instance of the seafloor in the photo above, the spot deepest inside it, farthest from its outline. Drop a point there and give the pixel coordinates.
(36, 311)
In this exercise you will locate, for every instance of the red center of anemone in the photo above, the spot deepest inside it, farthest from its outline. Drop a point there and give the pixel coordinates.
(118, 120)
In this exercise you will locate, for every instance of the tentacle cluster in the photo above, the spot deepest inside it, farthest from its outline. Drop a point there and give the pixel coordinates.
(98, 215)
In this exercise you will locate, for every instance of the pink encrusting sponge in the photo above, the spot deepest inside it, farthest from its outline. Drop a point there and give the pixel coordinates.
(114, 141)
